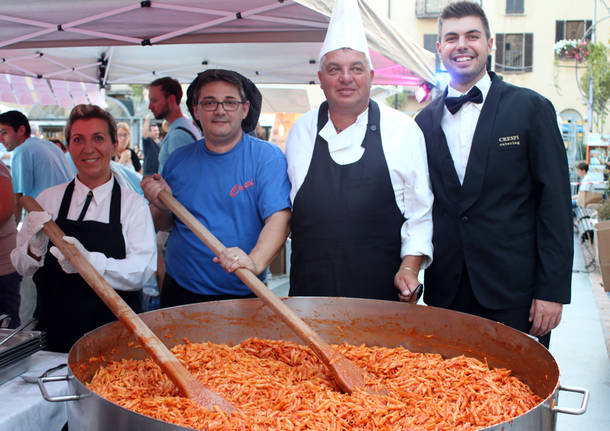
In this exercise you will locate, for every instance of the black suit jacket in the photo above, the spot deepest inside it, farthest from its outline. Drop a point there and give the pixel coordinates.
(510, 222)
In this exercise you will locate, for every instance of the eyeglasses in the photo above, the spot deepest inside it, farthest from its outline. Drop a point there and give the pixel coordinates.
(227, 105)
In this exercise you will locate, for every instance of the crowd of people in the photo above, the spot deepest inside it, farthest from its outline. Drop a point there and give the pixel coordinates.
(474, 192)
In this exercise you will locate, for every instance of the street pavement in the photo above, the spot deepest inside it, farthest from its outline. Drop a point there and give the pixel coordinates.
(579, 345)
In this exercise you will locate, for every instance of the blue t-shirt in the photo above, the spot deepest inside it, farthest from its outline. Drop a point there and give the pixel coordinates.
(37, 165)
(231, 194)
(177, 137)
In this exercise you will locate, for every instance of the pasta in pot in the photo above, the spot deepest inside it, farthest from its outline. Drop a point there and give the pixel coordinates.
(279, 385)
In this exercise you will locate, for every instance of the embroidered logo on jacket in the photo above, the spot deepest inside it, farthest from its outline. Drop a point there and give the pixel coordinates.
(237, 188)
(509, 141)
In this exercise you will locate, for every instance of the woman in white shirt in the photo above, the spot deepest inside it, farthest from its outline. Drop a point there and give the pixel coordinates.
(110, 224)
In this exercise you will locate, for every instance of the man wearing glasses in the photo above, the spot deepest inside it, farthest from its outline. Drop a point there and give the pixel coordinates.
(233, 183)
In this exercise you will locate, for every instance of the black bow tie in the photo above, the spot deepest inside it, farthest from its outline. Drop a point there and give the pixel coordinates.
(455, 103)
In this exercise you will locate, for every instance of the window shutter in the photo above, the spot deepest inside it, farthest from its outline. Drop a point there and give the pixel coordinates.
(559, 30)
(499, 52)
(519, 6)
(430, 45)
(430, 42)
(528, 54)
(588, 24)
(514, 6)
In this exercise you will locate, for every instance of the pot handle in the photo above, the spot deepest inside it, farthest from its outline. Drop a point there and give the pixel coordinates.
(583, 406)
(60, 398)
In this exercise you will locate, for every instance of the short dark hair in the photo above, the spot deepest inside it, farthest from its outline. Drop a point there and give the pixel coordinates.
(212, 75)
(462, 9)
(582, 166)
(88, 112)
(16, 119)
(169, 86)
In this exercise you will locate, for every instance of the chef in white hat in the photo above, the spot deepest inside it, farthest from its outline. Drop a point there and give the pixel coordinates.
(362, 222)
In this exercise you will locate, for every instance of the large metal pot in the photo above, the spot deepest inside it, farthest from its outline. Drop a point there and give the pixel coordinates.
(380, 323)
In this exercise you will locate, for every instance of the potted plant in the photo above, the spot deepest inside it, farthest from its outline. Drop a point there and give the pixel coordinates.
(602, 242)
(572, 49)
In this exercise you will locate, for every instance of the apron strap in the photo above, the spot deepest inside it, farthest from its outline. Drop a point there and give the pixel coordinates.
(372, 126)
(115, 204)
(65, 201)
(322, 115)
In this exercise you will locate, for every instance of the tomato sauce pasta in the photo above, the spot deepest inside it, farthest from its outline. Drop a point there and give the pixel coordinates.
(279, 385)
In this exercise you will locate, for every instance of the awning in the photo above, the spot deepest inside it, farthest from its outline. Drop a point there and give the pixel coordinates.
(127, 41)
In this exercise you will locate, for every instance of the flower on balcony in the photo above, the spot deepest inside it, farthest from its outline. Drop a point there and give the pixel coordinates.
(576, 49)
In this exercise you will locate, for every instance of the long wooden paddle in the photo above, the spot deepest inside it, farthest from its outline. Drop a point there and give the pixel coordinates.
(346, 374)
(188, 385)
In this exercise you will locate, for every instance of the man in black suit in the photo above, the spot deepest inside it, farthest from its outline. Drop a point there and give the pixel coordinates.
(502, 220)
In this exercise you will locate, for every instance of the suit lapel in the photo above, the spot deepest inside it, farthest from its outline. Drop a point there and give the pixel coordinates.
(447, 167)
(481, 141)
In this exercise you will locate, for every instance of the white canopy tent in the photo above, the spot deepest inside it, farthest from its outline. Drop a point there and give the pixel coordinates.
(128, 41)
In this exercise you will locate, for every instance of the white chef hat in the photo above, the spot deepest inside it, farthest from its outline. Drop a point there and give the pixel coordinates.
(345, 30)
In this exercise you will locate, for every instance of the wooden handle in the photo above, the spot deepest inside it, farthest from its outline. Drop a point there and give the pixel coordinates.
(326, 353)
(186, 383)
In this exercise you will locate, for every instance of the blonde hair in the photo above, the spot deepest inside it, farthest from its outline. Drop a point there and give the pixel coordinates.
(125, 126)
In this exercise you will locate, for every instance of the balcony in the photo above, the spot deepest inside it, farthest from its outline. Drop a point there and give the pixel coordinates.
(431, 8)
(573, 49)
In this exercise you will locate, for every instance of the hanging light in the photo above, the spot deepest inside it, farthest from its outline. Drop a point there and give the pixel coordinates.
(422, 92)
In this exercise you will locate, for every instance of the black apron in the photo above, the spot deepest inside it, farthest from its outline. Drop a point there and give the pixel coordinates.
(67, 307)
(346, 223)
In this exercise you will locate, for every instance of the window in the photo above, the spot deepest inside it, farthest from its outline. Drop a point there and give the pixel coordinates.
(429, 8)
(430, 45)
(514, 52)
(514, 6)
(432, 8)
(572, 30)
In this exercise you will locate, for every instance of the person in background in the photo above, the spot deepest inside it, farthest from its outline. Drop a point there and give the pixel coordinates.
(361, 221)
(164, 96)
(586, 181)
(9, 279)
(35, 131)
(502, 219)
(109, 224)
(5, 156)
(30, 156)
(163, 130)
(125, 155)
(151, 145)
(59, 144)
(234, 184)
(138, 151)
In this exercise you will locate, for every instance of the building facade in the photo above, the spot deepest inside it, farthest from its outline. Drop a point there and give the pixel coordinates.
(525, 34)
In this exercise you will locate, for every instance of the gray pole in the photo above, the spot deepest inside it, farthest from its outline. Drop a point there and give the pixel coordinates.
(591, 71)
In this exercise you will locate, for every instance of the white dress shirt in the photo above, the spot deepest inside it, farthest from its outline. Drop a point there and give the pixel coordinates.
(459, 127)
(586, 183)
(405, 153)
(140, 261)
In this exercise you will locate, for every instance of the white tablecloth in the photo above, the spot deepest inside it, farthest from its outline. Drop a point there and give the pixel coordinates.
(22, 407)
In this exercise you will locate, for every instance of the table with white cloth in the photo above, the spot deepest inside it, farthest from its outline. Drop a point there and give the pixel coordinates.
(22, 407)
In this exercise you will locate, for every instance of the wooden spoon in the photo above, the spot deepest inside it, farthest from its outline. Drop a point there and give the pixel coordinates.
(347, 375)
(188, 385)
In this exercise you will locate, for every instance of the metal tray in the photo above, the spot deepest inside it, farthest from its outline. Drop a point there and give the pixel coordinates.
(16, 369)
(17, 341)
